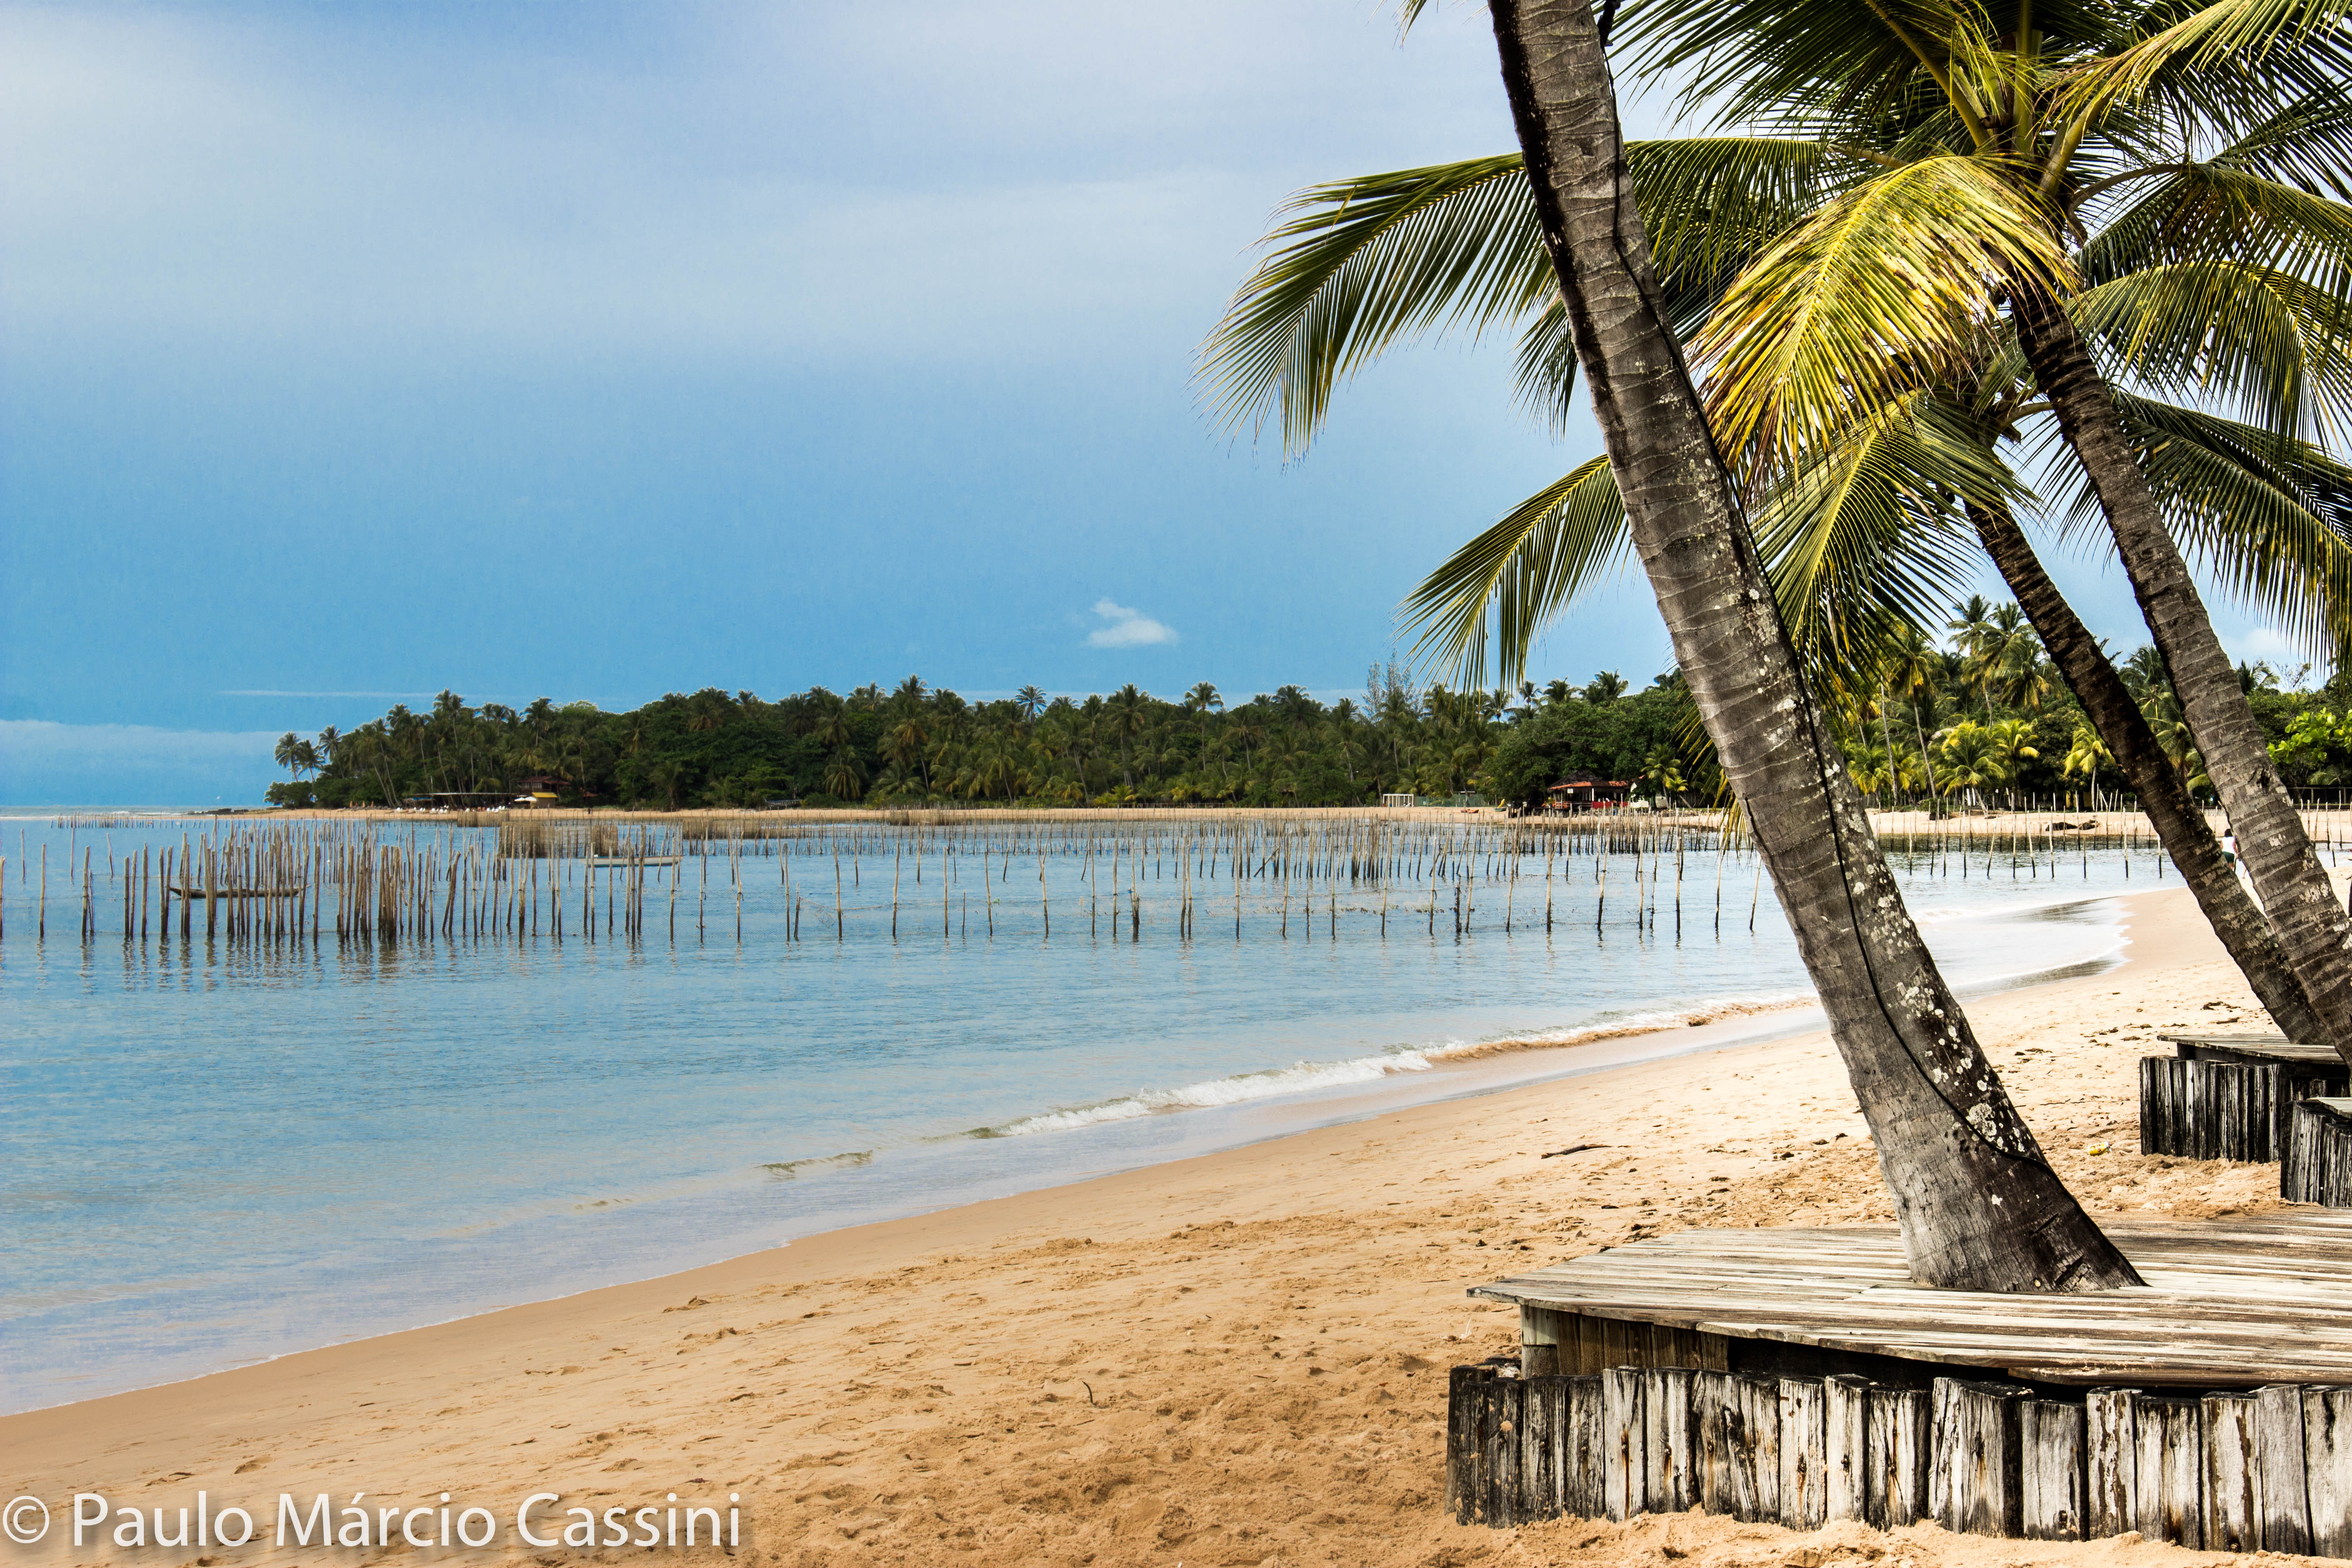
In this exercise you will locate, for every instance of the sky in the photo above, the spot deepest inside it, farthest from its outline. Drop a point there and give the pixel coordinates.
(352, 351)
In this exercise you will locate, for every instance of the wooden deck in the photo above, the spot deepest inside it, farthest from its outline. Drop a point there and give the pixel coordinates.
(2265, 1049)
(2229, 1304)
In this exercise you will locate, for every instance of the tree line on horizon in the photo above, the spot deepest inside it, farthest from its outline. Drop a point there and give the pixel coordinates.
(1976, 716)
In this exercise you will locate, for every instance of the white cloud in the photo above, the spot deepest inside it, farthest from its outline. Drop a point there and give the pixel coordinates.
(1127, 628)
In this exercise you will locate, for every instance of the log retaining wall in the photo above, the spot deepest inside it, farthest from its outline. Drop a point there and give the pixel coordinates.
(2266, 1470)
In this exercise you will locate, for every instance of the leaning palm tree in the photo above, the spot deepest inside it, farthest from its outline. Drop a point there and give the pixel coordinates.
(1861, 527)
(1978, 1205)
(2177, 161)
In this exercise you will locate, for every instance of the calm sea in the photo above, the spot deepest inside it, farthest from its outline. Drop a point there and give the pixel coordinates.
(218, 1152)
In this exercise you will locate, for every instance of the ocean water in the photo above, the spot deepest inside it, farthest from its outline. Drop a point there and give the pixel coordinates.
(217, 1152)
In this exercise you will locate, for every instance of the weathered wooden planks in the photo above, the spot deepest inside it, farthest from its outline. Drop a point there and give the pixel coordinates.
(2234, 1303)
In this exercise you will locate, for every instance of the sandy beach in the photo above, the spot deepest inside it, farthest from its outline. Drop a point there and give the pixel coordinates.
(1235, 1358)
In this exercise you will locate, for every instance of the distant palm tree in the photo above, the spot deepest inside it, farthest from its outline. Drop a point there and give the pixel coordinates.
(1126, 712)
(905, 745)
(1031, 700)
(1605, 688)
(842, 778)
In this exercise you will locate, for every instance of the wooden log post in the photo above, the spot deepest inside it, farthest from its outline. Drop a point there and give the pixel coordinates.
(1585, 1490)
(1845, 1401)
(1804, 1454)
(2050, 1471)
(1897, 1447)
(1505, 1482)
(2327, 1468)
(1543, 1430)
(2230, 1487)
(1624, 1456)
(1713, 1408)
(1755, 1449)
(2110, 1453)
(2278, 1448)
(2160, 1104)
(2168, 1466)
(1666, 1439)
(1466, 1410)
(1974, 1485)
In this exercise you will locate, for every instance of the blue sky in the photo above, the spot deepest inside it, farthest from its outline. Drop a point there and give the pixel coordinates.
(352, 351)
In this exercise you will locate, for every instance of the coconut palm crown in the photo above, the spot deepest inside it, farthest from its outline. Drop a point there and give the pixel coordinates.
(1840, 263)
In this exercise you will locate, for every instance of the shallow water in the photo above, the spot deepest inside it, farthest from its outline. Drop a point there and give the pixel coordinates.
(220, 1152)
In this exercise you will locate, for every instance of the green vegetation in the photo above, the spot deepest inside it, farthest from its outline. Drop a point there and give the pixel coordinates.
(1978, 718)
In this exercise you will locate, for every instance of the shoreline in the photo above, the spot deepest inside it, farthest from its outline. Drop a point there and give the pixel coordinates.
(1054, 1147)
(1157, 1302)
(1992, 825)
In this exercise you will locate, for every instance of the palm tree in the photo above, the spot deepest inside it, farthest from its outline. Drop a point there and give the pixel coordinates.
(1031, 700)
(2084, 752)
(842, 777)
(288, 753)
(1979, 1207)
(1126, 712)
(2152, 182)
(1201, 699)
(1605, 688)
(1860, 527)
(905, 745)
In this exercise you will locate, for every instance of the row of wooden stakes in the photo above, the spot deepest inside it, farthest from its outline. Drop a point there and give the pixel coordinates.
(2264, 1469)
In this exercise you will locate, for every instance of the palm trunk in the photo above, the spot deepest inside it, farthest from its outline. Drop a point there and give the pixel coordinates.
(2162, 795)
(2311, 926)
(1927, 763)
(1979, 1207)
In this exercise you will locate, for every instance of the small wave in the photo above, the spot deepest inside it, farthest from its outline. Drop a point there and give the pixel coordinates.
(785, 1170)
(1300, 1077)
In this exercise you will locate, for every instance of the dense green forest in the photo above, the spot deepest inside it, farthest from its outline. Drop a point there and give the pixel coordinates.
(1976, 716)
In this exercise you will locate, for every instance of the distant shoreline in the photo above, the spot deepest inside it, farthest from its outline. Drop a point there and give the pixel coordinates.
(2038, 826)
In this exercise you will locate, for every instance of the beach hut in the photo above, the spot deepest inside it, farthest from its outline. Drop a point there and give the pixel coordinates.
(1587, 792)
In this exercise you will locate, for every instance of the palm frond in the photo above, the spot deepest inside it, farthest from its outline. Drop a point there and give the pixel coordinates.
(1870, 541)
(2271, 519)
(1546, 368)
(1522, 571)
(1886, 289)
(1754, 60)
(2199, 210)
(2306, 144)
(1363, 263)
(2222, 59)
(2272, 342)
(1367, 262)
